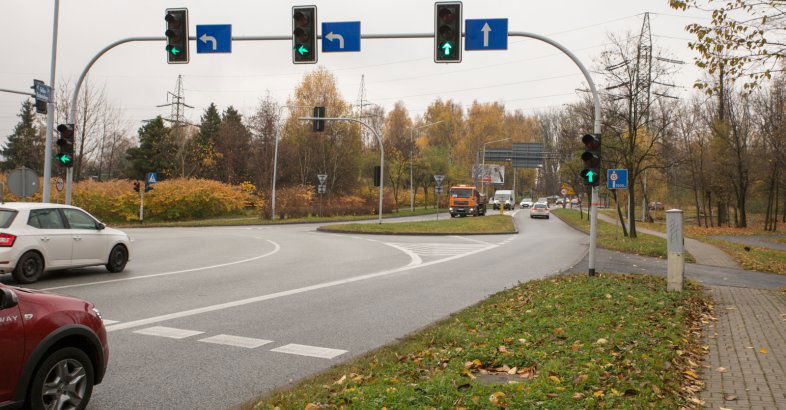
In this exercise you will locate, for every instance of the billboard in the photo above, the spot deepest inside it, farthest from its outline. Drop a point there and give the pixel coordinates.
(490, 174)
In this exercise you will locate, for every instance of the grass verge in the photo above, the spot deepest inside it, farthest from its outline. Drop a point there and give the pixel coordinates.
(611, 341)
(255, 220)
(492, 224)
(609, 238)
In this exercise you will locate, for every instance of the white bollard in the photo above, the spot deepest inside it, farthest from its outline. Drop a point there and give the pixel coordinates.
(675, 243)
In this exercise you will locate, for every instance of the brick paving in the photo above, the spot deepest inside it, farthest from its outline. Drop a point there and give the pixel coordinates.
(746, 364)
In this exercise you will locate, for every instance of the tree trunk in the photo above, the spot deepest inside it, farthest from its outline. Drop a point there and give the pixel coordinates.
(632, 209)
(619, 213)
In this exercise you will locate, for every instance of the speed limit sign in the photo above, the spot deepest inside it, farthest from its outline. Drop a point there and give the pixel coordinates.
(59, 184)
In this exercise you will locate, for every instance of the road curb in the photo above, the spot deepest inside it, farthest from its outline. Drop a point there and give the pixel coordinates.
(341, 231)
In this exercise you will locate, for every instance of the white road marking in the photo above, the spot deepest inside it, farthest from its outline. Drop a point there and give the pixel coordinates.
(313, 351)
(471, 239)
(238, 341)
(515, 212)
(276, 295)
(109, 322)
(414, 258)
(276, 248)
(438, 249)
(169, 332)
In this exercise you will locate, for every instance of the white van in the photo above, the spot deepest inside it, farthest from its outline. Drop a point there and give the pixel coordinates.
(504, 198)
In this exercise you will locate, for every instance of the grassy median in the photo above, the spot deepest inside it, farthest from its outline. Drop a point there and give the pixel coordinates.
(612, 341)
(610, 238)
(255, 220)
(493, 224)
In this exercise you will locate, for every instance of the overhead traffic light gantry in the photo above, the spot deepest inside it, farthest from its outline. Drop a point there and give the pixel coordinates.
(176, 36)
(304, 34)
(447, 32)
(591, 159)
(65, 145)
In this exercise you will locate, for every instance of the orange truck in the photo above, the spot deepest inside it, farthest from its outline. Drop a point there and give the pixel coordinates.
(466, 200)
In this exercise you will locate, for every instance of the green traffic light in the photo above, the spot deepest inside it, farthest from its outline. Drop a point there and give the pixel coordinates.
(590, 176)
(63, 159)
(301, 49)
(446, 46)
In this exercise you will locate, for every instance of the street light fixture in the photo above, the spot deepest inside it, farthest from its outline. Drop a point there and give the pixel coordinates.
(482, 183)
(411, 147)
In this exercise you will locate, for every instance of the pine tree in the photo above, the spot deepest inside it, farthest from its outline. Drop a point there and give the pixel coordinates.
(25, 147)
(157, 151)
(203, 151)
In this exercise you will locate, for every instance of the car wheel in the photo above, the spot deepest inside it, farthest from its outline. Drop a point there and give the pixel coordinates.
(29, 268)
(63, 381)
(117, 259)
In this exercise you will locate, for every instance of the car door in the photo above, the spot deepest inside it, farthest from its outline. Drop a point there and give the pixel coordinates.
(54, 239)
(12, 341)
(89, 245)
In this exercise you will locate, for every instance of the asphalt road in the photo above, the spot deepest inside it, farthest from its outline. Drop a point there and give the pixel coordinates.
(208, 318)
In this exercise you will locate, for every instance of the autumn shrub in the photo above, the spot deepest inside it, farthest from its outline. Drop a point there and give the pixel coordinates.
(182, 199)
(294, 201)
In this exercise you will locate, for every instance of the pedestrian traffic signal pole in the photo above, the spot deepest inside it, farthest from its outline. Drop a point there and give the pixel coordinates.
(595, 97)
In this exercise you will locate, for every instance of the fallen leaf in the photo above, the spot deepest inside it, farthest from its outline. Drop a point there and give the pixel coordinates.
(601, 341)
(580, 378)
(598, 393)
(555, 379)
(513, 370)
(697, 401)
(312, 406)
(341, 380)
(691, 373)
(724, 408)
(729, 397)
(496, 397)
(578, 395)
(608, 296)
(551, 395)
(721, 369)
(763, 350)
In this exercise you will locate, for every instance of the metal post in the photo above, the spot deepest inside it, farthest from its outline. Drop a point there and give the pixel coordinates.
(675, 243)
(381, 152)
(50, 111)
(141, 204)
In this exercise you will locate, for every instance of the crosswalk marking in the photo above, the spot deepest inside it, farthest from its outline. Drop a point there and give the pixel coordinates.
(441, 249)
(238, 341)
(169, 332)
(312, 351)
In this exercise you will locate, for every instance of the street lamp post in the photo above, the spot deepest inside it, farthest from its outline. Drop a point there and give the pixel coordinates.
(483, 183)
(411, 147)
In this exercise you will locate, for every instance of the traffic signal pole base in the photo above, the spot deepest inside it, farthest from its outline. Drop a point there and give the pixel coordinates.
(594, 203)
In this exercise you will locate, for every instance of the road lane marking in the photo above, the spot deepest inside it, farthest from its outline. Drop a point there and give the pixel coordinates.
(108, 322)
(238, 341)
(313, 351)
(276, 295)
(169, 332)
(414, 258)
(437, 249)
(471, 239)
(276, 248)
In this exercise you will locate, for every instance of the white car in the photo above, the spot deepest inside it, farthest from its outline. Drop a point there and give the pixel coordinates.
(539, 210)
(526, 203)
(38, 237)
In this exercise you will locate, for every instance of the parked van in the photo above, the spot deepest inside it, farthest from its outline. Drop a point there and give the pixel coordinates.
(504, 198)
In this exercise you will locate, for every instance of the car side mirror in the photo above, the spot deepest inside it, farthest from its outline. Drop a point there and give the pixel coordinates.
(8, 298)
(100, 226)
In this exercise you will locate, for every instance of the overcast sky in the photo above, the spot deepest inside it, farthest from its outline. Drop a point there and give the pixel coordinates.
(529, 75)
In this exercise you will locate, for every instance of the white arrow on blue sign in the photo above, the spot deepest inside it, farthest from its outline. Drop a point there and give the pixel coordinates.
(617, 178)
(340, 37)
(151, 178)
(214, 38)
(486, 34)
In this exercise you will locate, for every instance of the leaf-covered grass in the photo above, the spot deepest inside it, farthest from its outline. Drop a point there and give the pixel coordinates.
(491, 224)
(610, 341)
(610, 238)
(756, 258)
(255, 220)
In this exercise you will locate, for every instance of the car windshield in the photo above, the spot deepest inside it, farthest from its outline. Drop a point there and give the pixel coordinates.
(542, 200)
(6, 217)
(526, 200)
(540, 206)
(461, 193)
(502, 196)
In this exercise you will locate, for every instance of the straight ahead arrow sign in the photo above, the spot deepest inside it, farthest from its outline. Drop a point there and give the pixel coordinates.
(486, 29)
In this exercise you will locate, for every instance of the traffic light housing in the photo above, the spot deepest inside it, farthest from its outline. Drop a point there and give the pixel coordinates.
(447, 32)
(136, 186)
(319, 125)
(591, 159)
(304, 34)
(65, 145)
(377, 175)
(176, 36)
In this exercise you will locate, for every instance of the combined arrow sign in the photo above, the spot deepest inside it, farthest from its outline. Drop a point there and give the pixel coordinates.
(333, 36)
(486, 34)
(205, 38)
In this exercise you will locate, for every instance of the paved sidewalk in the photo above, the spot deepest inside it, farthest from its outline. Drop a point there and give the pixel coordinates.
(746, 364)
(705, 254)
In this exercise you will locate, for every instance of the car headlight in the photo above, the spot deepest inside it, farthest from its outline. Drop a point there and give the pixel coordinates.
(450, 209)
(98, 313)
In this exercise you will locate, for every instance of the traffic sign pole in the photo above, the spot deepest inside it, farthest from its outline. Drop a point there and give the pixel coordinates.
(50, 112)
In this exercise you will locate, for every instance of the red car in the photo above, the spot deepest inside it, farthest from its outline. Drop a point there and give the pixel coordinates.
(53, 350)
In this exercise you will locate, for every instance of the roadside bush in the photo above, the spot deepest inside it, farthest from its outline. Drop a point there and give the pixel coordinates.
(294, 201)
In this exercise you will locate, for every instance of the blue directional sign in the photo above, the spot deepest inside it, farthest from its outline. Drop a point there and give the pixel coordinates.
(486, 34)
(617, 178)
(340, 36)
(151, 178)
(214, 38)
